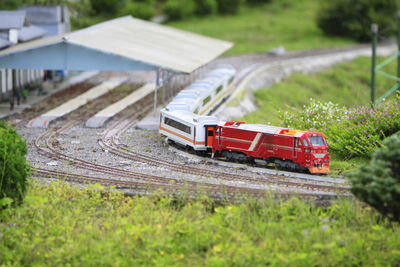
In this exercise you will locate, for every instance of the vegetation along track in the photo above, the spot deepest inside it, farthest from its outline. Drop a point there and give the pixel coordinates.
(110, 142)
(47, 142)
(140, 183)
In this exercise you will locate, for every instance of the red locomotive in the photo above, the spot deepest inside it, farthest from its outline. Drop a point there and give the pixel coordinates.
(289, 149)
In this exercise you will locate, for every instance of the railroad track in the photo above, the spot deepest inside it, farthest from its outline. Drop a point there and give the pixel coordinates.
(141, 188)
(110, 142)
(142, 182)
(46, 142)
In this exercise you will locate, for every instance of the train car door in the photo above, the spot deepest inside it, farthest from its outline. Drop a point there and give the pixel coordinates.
(210, 131)
(295, 148)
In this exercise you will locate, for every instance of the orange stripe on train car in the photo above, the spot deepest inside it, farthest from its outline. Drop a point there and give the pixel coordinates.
(181, 136)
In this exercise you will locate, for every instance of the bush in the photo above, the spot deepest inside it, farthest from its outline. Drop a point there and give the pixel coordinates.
(178, 9)
(350, 132)
(205, 7)
(256, 2)
(141, 10)
(378, 183)
(353, 18)
(14, 170)
(231, 7)
(106, 6)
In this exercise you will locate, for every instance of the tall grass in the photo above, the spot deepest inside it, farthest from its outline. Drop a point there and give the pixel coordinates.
(287, 23)
(351, 132)
(63, 225)
(346, 84)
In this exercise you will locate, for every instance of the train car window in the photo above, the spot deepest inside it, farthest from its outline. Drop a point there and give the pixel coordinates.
(206, 100)
(230, 80)
(180, 126)
(210, 132)
(317, 141)
(305, 143)
(298, 142)
(219, 89)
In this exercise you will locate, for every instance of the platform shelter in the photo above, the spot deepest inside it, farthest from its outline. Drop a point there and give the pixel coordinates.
(124, 43)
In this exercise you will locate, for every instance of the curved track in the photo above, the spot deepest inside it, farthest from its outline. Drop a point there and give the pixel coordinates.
(229, 184)
(110, 142)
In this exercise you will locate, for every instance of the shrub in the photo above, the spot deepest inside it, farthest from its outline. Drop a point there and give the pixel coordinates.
(141, 10)
(205, 7)
(353, 18)
(256, 2)
(378, 183)
(106, 6)
(9, 4)
(178, 9)
(350, 132)
(14, 170)
(231, 7)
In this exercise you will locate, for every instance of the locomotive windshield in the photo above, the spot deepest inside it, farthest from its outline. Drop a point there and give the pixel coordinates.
(317, 141)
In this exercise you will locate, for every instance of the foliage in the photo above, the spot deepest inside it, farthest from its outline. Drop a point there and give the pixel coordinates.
(378, 182)
(257, 29)
(230, 7)
(349, 131)
(14, 170)
(257, 2)
(106, 6)
(141, 10)
(346, 83)
(353, 18)
(63, 225)
(179, 9)
(206, 7)
(10, 4)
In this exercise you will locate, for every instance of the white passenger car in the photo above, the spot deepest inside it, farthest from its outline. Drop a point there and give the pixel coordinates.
(188, 129)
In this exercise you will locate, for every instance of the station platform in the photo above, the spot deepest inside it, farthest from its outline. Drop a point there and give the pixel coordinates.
(44, 120)
(50, 88)
(103, 116)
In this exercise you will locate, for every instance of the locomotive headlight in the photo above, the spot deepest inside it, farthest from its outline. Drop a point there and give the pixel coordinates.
(312, 151)
(307, 150)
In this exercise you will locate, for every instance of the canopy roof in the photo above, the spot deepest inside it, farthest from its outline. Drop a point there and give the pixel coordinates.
(12, 19)
(29, 33)
(120, 44)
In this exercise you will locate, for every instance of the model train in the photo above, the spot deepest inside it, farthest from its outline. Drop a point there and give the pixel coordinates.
(204, 94)
(289, 149)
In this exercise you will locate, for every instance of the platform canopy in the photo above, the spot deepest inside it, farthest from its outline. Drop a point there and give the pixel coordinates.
(121, 44)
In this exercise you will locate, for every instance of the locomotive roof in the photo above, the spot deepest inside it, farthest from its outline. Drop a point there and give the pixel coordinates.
(259, 128)
(189, 117)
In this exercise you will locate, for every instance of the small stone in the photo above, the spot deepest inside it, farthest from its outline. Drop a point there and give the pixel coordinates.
(324, 227)
(306, 233)
(52, 163)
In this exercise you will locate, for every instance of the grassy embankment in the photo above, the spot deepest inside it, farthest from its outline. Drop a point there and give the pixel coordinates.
(258, 29)
(345, 84)
(63, 225)
(60, 225)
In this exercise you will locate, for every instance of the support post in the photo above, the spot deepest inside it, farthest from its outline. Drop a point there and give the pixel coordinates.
(163, 85)
(398, 48)
(374, 30)
(155, 92)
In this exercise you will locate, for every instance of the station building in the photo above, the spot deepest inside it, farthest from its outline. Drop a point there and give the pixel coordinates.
(27, 24)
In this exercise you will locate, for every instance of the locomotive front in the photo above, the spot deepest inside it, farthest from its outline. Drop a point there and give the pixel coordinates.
(315, 153)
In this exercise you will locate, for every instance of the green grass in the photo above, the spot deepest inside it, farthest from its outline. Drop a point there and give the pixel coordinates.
(286, 23)
(60, 225)
(345, 84)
